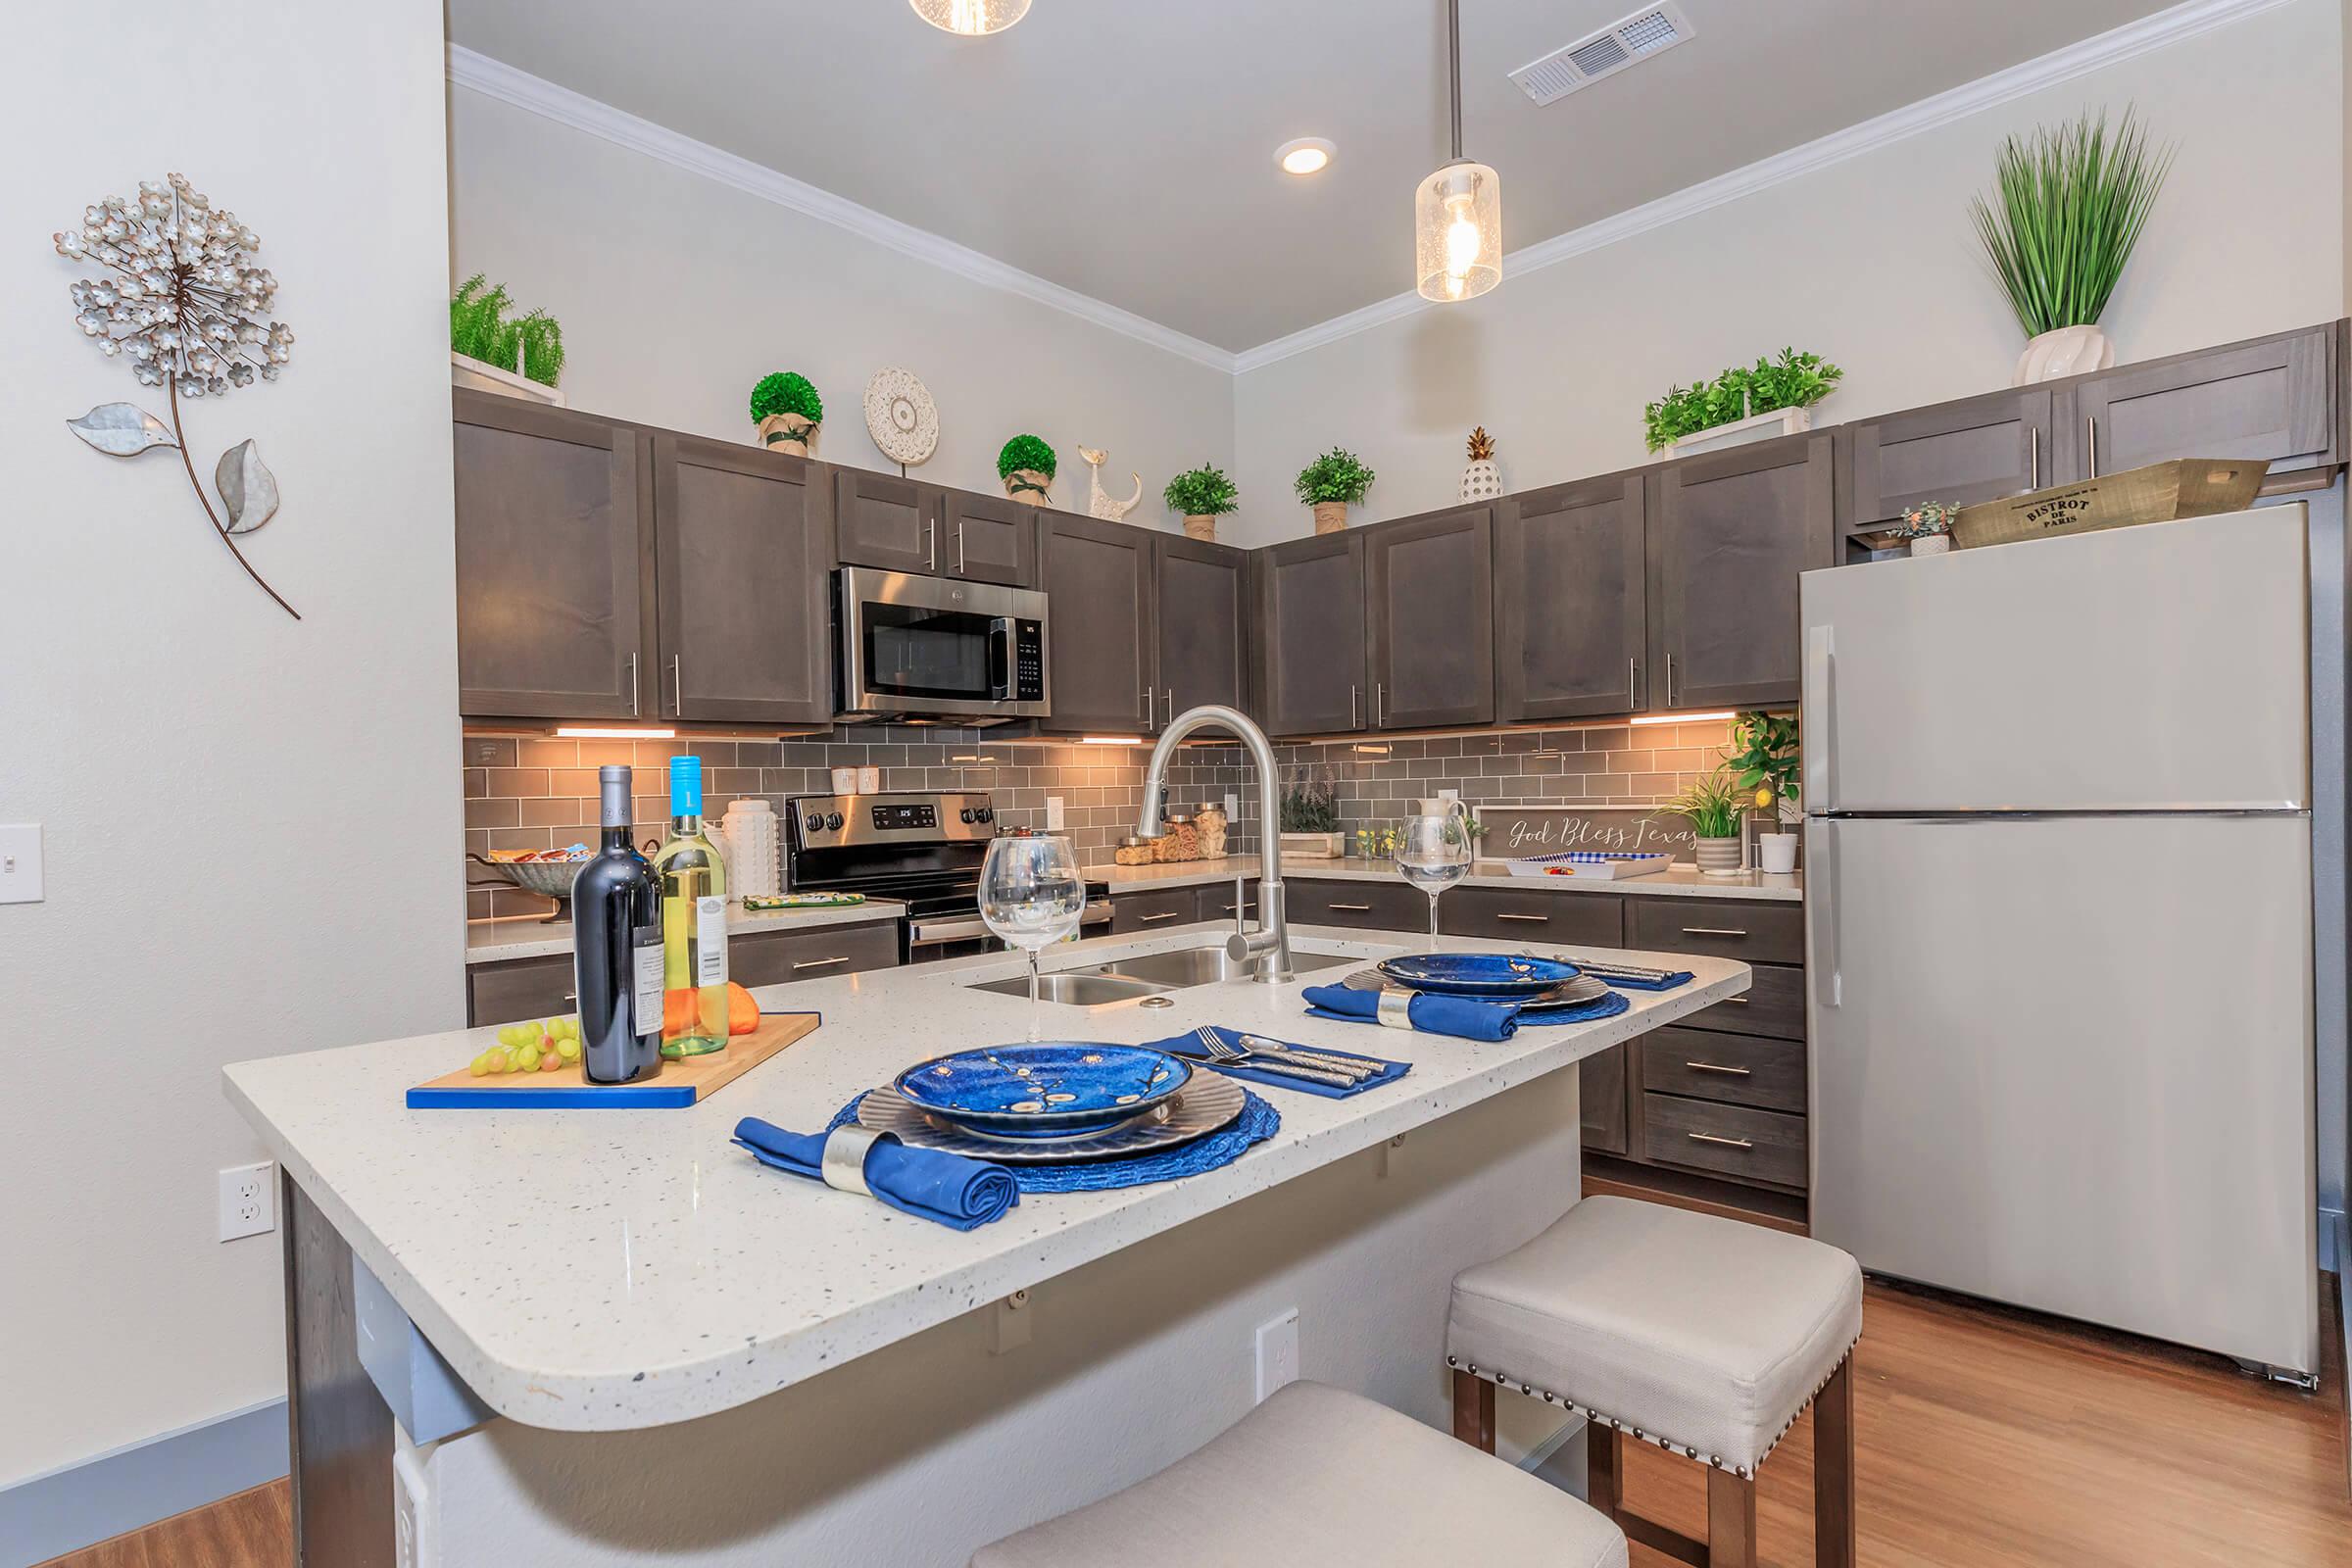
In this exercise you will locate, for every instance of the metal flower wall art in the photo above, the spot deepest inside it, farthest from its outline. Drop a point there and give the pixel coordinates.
(185, 303)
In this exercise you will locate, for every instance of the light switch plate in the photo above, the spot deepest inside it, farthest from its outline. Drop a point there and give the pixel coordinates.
(1053, 814)
(19, 862)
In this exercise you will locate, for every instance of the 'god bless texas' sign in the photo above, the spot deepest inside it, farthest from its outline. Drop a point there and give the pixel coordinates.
(1517, 831)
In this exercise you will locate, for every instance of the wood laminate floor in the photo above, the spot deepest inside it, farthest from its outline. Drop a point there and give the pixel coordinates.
(1986, 1440)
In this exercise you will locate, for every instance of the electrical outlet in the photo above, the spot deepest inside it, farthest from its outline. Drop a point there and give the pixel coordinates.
(412, 1543)
(19, 862)
(248, 1200)
(1053, 814)
(1233, 807)
(1277, 1353)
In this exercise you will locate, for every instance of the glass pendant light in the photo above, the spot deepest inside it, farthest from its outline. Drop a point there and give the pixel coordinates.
(971, 17)
(1457, 212)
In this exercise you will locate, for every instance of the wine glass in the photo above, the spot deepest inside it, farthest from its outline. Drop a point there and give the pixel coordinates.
(1434, 854)
(1030, 895)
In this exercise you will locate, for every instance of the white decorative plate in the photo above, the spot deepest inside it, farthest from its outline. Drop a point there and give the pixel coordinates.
(900, 416)
(1209, 1102)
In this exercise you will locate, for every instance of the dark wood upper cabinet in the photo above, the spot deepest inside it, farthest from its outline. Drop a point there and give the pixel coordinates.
(1571, 600)
(1728, 535)
(1975, 449)
(885, 521)
(552, 555)
(1202, 616)
(742, 545)
(2273, 397)
(1100, 640)
(1311, 609)
(988, 539)
(1430, 607)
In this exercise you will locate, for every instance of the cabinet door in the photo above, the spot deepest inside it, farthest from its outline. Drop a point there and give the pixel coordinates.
(1097, 579)
(552, 544)
(1135, 914)
(742, 545)
(1733, 531)
(1571, 600)
(526, 988)
(1313, 593)
(988, 539)
(1978, 449)
(1602, 1088)
(2272, 398)
(882, 520)
(1431, 609)
(1202, 623)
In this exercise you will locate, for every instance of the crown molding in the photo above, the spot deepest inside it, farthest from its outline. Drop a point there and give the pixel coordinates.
(494, 79)
(2151, 32)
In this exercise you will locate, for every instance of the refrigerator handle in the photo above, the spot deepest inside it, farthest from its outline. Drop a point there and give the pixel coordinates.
(1821, 909)
(1819, 738)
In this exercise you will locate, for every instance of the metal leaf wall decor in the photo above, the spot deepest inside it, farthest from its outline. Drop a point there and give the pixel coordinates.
(185, 303)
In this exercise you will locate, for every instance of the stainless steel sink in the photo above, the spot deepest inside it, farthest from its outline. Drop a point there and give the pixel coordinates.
(1080, 988)
(1199, 966)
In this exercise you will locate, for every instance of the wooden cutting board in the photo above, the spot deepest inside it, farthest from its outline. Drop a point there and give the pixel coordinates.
(680, 1082)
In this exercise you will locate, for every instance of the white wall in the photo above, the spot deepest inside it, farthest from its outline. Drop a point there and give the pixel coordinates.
(249, 826)
(677, 293)
(1871, 262)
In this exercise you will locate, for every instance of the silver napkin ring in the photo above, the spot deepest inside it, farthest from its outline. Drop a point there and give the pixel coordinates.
(1396, 1007)
(844, 1162)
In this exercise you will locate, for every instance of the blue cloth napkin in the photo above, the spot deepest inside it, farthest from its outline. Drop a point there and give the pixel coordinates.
(1630, 982)
(1189, 1047)
(929, 1183)
(1463, 1016)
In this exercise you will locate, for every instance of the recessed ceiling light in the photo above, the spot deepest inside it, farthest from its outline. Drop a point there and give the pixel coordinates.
(1308, 155)
(971, 17)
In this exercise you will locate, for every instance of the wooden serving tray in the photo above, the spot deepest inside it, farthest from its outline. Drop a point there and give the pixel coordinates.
(680, 1082)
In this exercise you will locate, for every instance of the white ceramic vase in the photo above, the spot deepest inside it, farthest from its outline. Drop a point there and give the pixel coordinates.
(2063, 351)
(1776, 853)
(1718, 856)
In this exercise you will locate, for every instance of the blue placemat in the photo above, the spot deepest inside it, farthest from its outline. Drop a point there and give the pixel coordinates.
(1608, 1007)
(1257, 1122)
(1189, 1047)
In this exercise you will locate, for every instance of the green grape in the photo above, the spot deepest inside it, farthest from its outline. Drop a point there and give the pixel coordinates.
(527, 1059)
(501, 1063)
(481, 1065)
(568, 1048)
(513, 1034)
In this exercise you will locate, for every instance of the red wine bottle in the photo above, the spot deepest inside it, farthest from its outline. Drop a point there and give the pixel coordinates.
(617, 948)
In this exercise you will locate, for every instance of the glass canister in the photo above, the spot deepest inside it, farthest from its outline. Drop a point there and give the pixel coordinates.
(1211, 823)
(1181, 841)
(1133, 851)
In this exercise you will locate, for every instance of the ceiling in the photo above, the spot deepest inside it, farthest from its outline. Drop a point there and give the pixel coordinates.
(1125, 148)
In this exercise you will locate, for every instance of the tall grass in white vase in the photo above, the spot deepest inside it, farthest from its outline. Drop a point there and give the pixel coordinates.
(1713, 804)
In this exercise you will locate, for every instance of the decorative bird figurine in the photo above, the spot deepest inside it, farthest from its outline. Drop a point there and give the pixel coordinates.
(1098, 503)
(1482, 481)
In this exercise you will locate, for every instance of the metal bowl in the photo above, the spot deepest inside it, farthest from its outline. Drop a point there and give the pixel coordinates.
(550, 879)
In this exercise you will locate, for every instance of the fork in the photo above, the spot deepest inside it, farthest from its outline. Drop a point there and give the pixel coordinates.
(1222, 1055)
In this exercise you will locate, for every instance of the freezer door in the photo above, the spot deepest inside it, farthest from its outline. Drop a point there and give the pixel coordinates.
(2162, 666)
(2067, 1063)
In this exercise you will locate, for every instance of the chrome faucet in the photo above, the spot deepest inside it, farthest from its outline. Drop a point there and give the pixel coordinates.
(1269, 945)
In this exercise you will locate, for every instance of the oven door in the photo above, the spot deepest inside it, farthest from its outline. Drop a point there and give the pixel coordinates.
(931, 646)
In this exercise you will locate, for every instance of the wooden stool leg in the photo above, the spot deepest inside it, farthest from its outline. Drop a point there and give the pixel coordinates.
(1474, 1410)
(1834, 1469)
(1730, 1520)
(1605, 1471)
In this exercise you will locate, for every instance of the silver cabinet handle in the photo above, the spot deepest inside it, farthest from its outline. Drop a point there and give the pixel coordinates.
(1669, 680)
(959, 546)
(1151, 711)
(1354, 722)
(820, 964)
(2091, 443)
(1171, 696)
(677, 682)
(1165, 914)
(1380, 704)
(1712, 931)
(1632, 684)
(1352, 909)
(634, 711)
(1710, 1138)
(1717, 1066)
(1530, 920)
(930, 541)
(571, 996)
(1735, 1001)
(2033, 457)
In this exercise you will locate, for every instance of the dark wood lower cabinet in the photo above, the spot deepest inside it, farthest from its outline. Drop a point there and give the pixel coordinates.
(1363, 905)
(541, 988)
(1734, 1141)
(1141, 913)
(1536, 915)
(1602, 1088)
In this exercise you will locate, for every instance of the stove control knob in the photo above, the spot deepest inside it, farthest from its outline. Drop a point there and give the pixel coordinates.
(814, 822)
(966, 815)
(983, 814)
(833, 820)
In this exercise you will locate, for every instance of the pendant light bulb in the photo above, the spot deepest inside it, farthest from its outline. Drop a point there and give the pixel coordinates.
(1457, 212)
(971, 19)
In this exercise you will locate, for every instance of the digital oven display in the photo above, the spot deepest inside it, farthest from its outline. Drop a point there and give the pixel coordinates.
(905, 815)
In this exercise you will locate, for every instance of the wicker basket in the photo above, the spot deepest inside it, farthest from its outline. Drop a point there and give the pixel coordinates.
(2188, 487)
(550, 879)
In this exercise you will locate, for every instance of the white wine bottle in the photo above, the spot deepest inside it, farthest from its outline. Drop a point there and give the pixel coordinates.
(694, 922)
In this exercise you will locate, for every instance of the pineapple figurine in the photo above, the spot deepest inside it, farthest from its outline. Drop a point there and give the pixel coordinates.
(1482, 481)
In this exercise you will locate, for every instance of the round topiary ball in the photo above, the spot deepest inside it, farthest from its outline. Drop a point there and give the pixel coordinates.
(1025, 452)
(787, 392)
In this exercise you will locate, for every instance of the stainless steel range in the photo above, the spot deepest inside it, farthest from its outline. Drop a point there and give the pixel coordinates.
(922, 849)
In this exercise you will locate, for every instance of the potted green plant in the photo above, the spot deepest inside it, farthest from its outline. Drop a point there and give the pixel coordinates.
(1310, 818)
(489, 351)
(1927, 527)
(1027, 465)
(1330, 485)
(1763, 757)
(1713, 805)
(1200, 496)
(1745, 402)
(2068, 207)
(787, 410)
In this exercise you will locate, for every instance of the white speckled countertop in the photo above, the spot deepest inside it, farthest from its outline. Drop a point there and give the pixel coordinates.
(527, 937)
(1676, 881)
(606, 1270)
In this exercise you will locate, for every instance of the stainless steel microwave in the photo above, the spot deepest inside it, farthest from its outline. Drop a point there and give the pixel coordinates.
(934, 647)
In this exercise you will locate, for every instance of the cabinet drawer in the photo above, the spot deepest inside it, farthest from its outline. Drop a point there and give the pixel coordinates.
(1761, 1146)
(767, 958)
(1367, 906)
(1720, 928)
(1513, 915)
(1131, 912)
(1701, 1064)
(526, 988)
(1774, 1006)
(1217, 902)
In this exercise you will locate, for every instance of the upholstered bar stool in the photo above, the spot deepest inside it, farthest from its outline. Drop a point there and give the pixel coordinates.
(1315, 1477)
(1705, 1336)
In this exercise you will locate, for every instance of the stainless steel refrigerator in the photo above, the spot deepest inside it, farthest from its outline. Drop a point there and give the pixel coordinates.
(2059, 927)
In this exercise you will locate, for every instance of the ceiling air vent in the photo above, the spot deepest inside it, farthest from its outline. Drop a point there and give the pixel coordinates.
(1651, 31)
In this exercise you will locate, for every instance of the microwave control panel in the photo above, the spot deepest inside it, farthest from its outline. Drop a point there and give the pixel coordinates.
(1028, 661)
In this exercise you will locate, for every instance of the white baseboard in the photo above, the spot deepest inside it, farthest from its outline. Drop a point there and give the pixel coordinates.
(80, 1505)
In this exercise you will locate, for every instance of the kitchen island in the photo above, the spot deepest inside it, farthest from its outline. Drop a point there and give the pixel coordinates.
(659, 1347)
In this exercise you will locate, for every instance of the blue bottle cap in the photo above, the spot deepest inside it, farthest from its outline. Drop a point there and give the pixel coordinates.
(685, 786)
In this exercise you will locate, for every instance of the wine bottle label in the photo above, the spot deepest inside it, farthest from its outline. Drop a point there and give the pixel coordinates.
(645, 990)
(711, 942)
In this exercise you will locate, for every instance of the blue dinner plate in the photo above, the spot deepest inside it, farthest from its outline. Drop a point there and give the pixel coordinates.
(1050, 1088)
(1479, 974)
